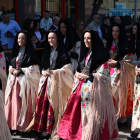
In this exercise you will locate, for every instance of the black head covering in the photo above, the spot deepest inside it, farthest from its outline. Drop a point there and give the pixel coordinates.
(122, 46)
(60, 58)
(132, 42)
(99, 53)
(71, 34)
(1, 49)
(28, 56)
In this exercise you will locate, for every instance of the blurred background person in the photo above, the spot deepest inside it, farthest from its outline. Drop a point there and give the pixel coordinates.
(2, 10)
(94, 25)
(41, 36)
(8, 31)
(55, 20)
(46, 22)
(28, 26)
(80, 27)
(105, 27)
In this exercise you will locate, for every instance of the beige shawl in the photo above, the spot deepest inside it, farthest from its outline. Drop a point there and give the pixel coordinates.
(98, 111)
(4, 129)
(3, 75)
(29, 83)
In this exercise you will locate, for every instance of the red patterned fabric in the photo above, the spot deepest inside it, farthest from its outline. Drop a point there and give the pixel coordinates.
(44, 115)
(71, 124)
(129, 108)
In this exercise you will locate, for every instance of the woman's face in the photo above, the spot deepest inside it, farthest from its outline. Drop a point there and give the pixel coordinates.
(81, 26)
(21, 40)
(87, 39)
(37, 27)
(115, 32)
(63, 28)
(32, 24)
(52, 39)
(135, 29)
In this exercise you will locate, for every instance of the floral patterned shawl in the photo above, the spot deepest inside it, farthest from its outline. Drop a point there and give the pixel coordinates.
(113, 76)
(29, 81)
(4, 129)
(3, 74)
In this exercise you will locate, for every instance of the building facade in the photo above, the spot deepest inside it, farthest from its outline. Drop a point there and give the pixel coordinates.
(72, 9)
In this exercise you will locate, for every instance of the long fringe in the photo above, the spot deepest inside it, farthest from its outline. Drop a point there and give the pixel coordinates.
(102, 110)
(127, 78)
(4, 129)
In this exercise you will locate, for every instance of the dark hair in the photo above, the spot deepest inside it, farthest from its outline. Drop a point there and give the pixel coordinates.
(120, 30)
(54, 18)
(78, 22)
(47, 11)
(105, 18)
(2, 8)
(26, 24)
(35, 24)
(138, 40)
(5, 13)
(95, 14)
(115, 17)
(55, 32)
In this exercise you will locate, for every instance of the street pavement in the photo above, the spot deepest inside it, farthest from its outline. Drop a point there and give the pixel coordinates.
(124, 132)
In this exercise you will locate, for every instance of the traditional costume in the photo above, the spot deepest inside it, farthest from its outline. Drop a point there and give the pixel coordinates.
(90, 114)
(21, 90)
(3, 74)
(4, 129)
(119, 79)
(71, 43)
(135, 126)
(54, 90)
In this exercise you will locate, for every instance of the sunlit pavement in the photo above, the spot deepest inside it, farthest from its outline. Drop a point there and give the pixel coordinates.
(124, 132)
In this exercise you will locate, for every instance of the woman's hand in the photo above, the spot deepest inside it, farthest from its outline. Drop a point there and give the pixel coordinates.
(81, 76)
(45, 73)
(138, 72)
(16, 72)
(112, 62)
(11, 70)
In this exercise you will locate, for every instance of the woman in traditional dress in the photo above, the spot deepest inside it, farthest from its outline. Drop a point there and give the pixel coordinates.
(135, 39)
(3, 74)
(54, 88)
(22, 84)
(71, 41)
(4, 129)
(90, 113)
(118, 73)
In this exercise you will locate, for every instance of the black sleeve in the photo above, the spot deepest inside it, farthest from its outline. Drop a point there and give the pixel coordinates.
(105, 33)
(139, 62)
(118, 65)
(91, 77)
(74, 55)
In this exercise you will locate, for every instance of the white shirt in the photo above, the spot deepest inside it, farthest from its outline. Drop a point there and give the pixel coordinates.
(38, 35)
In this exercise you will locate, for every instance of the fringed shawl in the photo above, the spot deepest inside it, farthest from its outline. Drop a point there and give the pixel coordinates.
(99, 110)
(4, 129)
(3, 75)
(59, 91)
(119, 84)
(29, 82)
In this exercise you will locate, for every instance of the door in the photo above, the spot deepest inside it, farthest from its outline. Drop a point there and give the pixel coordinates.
(65, 9)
